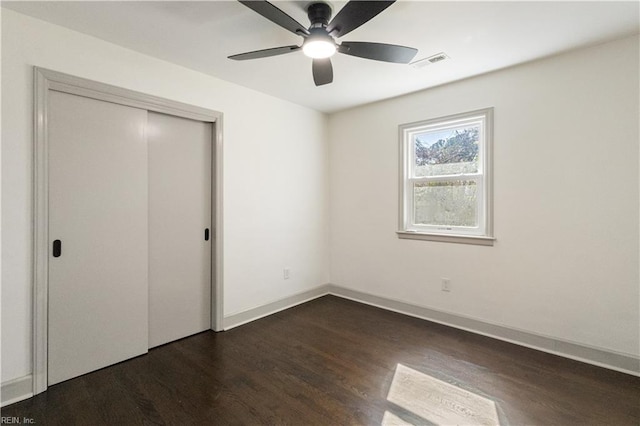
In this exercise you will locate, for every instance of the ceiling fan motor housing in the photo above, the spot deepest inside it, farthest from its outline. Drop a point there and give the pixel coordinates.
(319, 44)
(319, 14)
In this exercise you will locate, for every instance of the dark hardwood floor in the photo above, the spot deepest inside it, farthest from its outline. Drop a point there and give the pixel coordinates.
(331, 362)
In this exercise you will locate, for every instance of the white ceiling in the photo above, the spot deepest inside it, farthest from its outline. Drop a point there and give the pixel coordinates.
(477, 36)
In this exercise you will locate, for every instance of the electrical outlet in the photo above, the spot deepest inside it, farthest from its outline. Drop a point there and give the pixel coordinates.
(446, 284)
(286, 273)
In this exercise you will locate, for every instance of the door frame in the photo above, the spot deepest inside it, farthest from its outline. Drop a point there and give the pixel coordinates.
(46, 80)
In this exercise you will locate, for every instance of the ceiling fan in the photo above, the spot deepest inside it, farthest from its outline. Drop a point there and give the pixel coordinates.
(320, 38)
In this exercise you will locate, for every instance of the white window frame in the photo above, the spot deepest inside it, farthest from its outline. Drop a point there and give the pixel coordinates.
(481, 234)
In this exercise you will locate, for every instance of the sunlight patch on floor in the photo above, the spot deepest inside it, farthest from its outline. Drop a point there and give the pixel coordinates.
(390, 419)
(436, 401)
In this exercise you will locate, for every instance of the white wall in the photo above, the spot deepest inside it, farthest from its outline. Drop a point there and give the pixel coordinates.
(565, 263)
(275, 163)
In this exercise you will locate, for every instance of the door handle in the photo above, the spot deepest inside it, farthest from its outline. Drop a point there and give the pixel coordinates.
(206, 234)
(57, 248)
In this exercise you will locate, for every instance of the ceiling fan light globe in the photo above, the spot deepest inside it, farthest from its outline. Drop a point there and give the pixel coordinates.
(319, 49)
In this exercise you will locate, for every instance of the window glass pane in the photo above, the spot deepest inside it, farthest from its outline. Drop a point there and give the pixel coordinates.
(446, 203)
(447, 151)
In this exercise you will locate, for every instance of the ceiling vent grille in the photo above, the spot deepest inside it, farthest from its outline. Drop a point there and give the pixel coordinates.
(438, 57)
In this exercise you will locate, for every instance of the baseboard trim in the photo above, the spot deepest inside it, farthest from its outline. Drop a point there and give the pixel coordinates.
(625, 363)
(240, 318)
(16, 390)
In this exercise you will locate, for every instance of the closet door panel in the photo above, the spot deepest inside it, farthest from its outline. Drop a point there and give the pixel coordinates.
(98, 271)
(179, 212)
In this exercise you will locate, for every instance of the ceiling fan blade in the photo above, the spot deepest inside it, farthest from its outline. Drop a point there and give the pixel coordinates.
(378, 51)
(265, 53)
(276, 15)
(322, 71)
(354, 14)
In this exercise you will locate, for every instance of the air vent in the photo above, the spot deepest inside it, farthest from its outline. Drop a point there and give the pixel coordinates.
(421, 63)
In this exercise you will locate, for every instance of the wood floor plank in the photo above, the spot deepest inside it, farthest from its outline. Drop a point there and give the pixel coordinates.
(333, 361)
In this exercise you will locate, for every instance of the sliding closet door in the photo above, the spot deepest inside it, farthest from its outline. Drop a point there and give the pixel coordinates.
(98, 264)
(180, 236)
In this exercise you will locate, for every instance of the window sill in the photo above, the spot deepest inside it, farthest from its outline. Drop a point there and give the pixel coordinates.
(459, 239)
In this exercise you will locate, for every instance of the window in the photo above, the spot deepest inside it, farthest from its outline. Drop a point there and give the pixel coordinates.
(445, 185)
